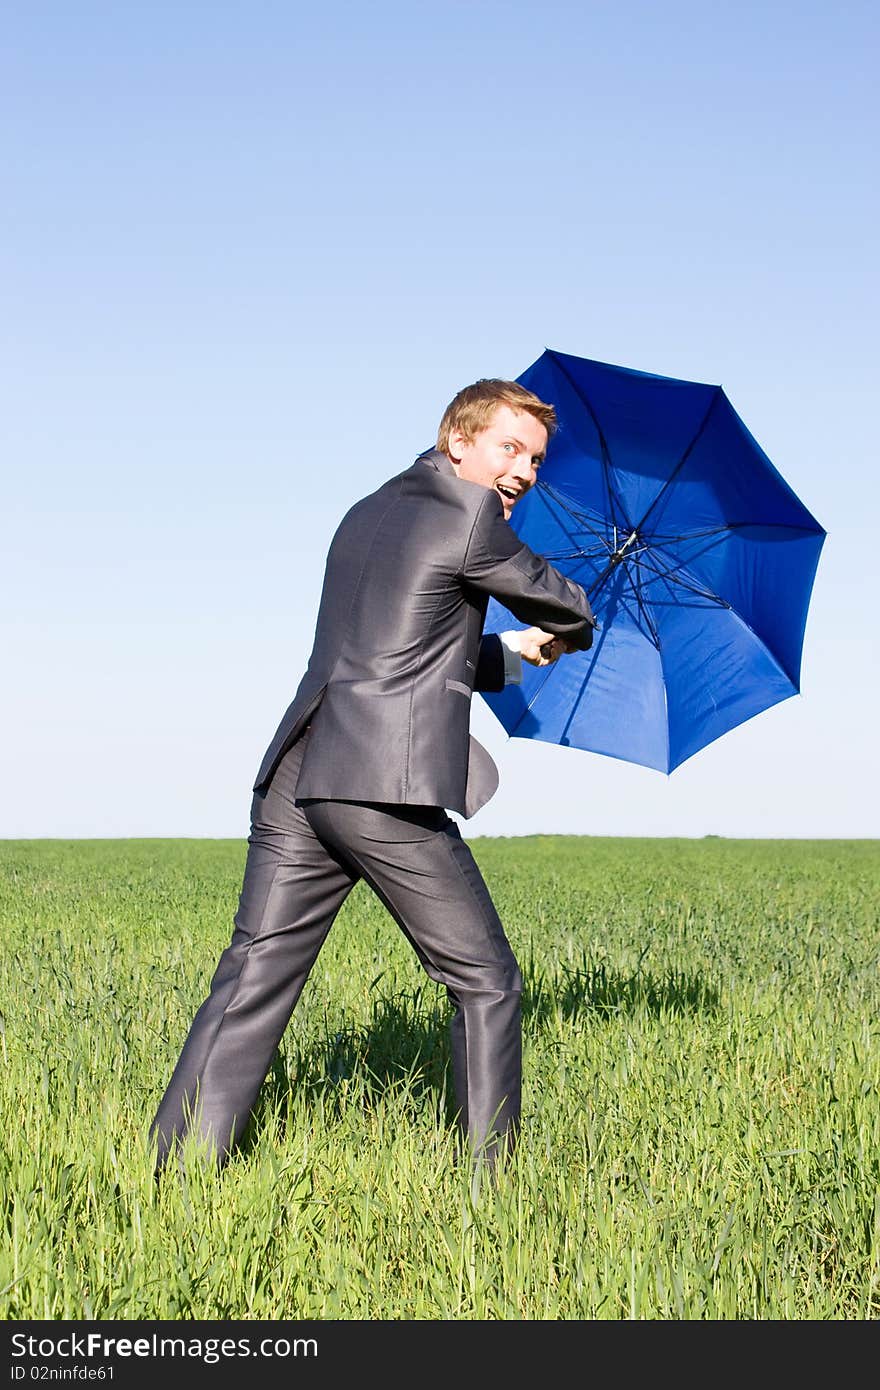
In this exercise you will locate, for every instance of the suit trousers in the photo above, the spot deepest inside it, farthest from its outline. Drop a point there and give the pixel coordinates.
(303, 859)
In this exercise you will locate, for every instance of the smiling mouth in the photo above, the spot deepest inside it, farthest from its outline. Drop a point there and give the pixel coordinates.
(507, 493)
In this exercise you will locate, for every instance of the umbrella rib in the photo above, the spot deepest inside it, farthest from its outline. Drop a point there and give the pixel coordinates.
(537, 691)
(545, 491)
(532, 699)
(673, 578)
(578, 517)
(662, 539)
(723, 603)
(555, 555)
(716, 396)
(631, 556)
(613, 498)
(670, 572)
(636, 585)
(585, 559)
(576, 702)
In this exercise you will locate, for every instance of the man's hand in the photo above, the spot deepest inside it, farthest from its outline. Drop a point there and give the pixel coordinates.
(540, 648)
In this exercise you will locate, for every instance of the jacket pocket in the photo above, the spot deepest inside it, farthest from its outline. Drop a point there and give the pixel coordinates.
(460, 687)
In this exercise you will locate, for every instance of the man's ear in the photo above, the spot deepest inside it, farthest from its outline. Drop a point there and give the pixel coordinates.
(457, 442)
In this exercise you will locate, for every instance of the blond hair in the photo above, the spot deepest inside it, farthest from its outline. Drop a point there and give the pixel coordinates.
(474, 406)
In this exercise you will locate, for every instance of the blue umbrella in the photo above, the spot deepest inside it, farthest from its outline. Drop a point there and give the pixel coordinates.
(697, 556)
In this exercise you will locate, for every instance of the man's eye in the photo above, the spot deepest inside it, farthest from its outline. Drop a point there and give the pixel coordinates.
(509, 448)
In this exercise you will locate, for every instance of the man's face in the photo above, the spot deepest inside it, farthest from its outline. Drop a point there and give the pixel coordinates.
(505, 456)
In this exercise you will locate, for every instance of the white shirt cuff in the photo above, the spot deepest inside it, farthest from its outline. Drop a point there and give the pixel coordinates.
(512, 658)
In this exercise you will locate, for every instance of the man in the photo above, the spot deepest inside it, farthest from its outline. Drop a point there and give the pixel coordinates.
(369, 757)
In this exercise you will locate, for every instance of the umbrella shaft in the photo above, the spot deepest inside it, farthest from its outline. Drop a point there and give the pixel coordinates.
(614, 559)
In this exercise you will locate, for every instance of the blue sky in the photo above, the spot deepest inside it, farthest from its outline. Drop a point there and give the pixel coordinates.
(249, 254)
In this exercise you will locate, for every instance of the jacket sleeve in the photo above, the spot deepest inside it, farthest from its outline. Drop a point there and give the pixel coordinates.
(498, 563)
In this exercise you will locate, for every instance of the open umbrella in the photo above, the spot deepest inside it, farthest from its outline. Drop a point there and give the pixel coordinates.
(697, 557)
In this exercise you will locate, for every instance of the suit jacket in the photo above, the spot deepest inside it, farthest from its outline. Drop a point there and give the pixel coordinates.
(398, 647)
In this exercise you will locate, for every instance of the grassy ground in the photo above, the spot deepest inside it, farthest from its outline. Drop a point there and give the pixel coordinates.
(701, 1123)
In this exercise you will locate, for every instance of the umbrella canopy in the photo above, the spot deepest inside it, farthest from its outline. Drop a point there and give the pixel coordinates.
(697, 557)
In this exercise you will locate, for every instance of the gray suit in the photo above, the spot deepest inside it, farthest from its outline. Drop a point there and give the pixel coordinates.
(367, 759)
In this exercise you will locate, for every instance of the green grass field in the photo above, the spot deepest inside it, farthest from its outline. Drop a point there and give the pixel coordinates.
(701, 1126)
